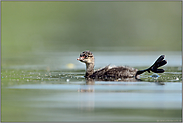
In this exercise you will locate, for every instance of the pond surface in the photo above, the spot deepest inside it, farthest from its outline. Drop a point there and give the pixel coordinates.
(51, 87)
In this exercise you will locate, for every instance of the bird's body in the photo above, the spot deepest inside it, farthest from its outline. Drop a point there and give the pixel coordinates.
(113, 73)
(118, 72)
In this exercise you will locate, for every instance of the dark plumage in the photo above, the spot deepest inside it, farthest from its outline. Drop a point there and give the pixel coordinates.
(116, 73)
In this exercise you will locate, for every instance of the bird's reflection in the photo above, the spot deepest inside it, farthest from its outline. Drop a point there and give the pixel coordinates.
(88, 87)
(87, 96)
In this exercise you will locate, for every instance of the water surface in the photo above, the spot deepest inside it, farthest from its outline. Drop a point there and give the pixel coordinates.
(52, 88)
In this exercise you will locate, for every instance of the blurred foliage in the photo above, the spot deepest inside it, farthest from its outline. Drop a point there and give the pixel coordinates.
(31, 27)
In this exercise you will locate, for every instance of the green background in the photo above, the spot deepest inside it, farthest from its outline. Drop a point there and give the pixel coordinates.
(98, 26)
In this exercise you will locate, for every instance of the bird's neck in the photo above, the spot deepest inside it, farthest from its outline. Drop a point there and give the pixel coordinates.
(89, 69)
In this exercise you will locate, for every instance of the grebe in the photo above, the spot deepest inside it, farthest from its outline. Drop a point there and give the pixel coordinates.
(116, 73)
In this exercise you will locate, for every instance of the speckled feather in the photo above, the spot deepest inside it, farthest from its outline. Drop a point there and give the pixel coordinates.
(114, 72)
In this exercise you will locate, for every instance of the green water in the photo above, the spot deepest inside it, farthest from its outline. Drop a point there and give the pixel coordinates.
(47, 92)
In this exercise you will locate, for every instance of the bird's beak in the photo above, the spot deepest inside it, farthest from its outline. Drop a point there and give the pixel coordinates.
(80, 58)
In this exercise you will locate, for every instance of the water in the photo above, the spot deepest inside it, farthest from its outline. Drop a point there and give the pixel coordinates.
(52, 88)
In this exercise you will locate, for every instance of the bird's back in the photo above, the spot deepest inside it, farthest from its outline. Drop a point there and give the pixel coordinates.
(114, 73)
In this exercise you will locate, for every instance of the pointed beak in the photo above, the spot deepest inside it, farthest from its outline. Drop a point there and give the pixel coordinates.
(80, 58)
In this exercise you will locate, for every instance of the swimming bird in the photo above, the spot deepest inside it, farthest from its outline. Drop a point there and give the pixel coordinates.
(118, 72)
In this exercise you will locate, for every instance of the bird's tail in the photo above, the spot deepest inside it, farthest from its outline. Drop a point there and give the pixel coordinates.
(154, 68)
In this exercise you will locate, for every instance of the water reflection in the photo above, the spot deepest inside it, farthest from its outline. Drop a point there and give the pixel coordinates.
(78, 99)
(87, 98)
(88, 87)
(88, 103)
(90, 84)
